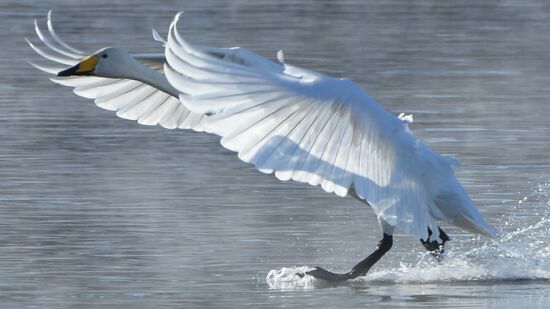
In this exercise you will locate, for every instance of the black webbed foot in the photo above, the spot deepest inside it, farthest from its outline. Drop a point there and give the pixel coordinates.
(358, 270)
(435, 248)
(321, 273)
(432, 245)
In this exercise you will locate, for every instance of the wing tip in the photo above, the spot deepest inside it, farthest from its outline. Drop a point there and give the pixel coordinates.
(177, 17)
(39, 67)
(174, 24)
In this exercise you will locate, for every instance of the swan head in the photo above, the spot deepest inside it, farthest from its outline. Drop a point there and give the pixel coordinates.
(107, 62)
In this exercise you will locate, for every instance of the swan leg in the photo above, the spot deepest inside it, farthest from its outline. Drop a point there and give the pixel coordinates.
(433, 245)
(360, 269)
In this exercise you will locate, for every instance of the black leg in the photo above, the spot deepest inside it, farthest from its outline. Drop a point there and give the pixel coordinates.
(360, 269)
(433, 245)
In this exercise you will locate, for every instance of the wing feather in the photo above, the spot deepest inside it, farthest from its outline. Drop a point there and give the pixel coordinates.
(299, 134)
(304, 150)
(75, 81)
(104, 87)
(154, 111)
(129, 98)
(305, 126)
(238, 124)
(277, 147)
(141, 107)
(136, 96)
(52, 46)
(58, 39)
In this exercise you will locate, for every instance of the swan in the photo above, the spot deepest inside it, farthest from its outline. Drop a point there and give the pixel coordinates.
(288, 121)
(308, 127)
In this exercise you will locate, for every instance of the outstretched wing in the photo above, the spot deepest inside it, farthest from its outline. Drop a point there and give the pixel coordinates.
(130, 99)
(308, 127)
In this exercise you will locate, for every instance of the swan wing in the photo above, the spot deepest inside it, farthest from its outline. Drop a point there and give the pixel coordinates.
(130, 99)
(308, 127)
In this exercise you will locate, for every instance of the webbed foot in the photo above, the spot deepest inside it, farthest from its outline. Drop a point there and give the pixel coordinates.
(358, 270)
(321, 273)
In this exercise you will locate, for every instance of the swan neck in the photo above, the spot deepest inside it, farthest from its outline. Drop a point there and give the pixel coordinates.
(144, 74)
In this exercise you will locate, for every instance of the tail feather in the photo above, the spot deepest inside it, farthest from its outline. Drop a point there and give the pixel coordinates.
(478, 227)
(457, 208)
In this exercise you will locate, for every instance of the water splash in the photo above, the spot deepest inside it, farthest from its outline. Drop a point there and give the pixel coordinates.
(287, 278)
(520, 254)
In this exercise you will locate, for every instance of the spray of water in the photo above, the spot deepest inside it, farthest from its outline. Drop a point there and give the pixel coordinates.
(521, 252)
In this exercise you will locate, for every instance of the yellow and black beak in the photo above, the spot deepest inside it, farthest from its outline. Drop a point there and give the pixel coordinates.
(85, 67)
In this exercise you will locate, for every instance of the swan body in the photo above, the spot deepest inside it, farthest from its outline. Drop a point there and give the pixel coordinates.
(305, 126)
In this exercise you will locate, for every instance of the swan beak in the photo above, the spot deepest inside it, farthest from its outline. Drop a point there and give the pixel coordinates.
(85, 67)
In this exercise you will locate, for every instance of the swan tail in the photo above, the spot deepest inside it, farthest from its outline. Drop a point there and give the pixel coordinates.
(455, 207)
(475, 226)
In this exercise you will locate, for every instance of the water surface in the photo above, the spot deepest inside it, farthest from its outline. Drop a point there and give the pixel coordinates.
(97, 211)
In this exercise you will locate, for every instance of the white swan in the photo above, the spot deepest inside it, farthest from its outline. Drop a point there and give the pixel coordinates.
(295, 123)
(309, 127)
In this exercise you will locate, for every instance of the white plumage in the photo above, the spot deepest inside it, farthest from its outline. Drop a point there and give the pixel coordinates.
(297, 124)
(309, 127)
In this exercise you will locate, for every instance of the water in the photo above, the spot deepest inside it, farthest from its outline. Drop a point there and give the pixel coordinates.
(101, 212)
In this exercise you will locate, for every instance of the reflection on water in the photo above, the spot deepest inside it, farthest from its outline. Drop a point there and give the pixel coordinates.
(100, 211)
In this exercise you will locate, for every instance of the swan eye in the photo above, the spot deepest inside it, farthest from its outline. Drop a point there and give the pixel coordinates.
(104, 56)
